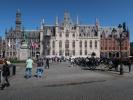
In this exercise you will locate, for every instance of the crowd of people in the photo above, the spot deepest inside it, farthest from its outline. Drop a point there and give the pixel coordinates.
(43, 63)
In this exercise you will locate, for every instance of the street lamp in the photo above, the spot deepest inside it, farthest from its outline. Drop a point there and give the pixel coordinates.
(120, 39)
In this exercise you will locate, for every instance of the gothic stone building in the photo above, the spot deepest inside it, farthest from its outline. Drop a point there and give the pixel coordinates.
(14, 37)
(69, 39)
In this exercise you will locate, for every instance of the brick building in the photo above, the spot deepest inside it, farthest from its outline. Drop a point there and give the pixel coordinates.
(110, 42)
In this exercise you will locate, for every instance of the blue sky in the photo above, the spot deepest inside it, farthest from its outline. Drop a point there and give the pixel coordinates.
(109, 12)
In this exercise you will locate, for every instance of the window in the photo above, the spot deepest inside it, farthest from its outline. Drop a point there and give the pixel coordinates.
(14, 53)
(53, 52)
(60, 44)
(85, 52)
(60, 35)
(60, 52)
(53, 44)
(95, 44)
(90, 43)
(125, 48)
(113, 48)
(66, 52)
(67, 44)
(73, 34)
(96, 33)
(80, 44)
(73, 52)
(67, 33)
(73, 44)
(80, 34)
(80, 52)
(85, 44)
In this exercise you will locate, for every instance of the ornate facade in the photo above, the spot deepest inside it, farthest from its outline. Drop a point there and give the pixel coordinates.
(14, 38)
(66, 39)
(70, 39)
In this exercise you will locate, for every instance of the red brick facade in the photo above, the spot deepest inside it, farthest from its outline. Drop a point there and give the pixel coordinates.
(110, 46)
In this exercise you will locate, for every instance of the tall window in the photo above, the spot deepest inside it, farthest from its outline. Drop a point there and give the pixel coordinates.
(67, 33)
(85, 52)
(80, 52)
(53, 44)
(60, 52)
(67, 44)
(60, 44)
(73, 34)
(73, 44)
(53, 52)
(95, 44)
(73, 52)
(90, 43)
(85, 44)
(60, 35)
(80, 44)
(66, 52)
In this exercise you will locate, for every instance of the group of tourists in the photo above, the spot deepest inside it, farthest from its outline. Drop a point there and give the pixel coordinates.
(41, 64)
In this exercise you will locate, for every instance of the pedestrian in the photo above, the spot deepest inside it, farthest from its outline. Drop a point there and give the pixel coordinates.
(40, 68)
(29, 65)
(47, 63)
(5, 75)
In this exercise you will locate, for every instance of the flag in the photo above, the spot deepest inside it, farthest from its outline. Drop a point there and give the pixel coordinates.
(36, 45)
(9, 43)
(33, 45)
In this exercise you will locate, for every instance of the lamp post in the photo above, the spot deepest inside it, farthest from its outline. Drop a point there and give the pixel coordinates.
(120, 39)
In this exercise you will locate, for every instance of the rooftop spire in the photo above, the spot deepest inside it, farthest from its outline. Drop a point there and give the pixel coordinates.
(43, 21)
(18, 20)
(67, 19)
(77, 20)
(57, 21)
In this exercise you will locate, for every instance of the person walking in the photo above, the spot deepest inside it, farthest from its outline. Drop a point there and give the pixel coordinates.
(40, 68)
(5, 75)
(29, 65)
(47, 63)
